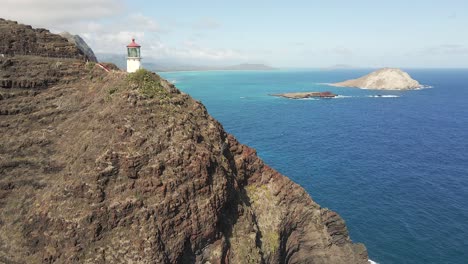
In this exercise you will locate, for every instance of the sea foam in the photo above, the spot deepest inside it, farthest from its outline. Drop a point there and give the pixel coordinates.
(343, 96)
(384, 96)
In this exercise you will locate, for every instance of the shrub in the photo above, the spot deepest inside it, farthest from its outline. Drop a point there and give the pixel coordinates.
(90, 65)
(148, 84)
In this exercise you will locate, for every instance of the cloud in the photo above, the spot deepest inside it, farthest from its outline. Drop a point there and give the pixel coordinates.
(206, 23)
(342, 51)
(49, 13)
(112, 35)
(298, 43)
(191, 51)
(447, 49)
(144, 23)
(113, 39)
(329, 52)
(107, 28)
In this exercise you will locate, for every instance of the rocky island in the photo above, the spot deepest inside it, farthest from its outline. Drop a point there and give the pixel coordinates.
(303, 95)
(383, 79)
(108, 167)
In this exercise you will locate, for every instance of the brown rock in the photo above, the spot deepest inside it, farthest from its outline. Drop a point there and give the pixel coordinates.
(18, 39)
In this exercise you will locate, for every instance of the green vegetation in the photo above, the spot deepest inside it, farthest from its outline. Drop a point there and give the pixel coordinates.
(113, 90)
(90, 65)
(260, 196)
(148, 83)
(255, 192)
(270, 241)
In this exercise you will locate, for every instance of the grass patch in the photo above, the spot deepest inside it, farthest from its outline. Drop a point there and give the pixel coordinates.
(256, 192)
(113, 90)
(110, 93)
(90, 65)
(148, 84)
(270, 241)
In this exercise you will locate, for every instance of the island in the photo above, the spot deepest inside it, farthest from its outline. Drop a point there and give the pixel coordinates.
(383, 79)
(303, 95)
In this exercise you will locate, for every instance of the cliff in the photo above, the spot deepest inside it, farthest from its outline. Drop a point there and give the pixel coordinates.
(110, 167)
(18, 39)
(383, 79)
(80, 44)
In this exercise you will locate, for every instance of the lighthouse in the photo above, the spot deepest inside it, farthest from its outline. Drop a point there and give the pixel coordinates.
(133, 57)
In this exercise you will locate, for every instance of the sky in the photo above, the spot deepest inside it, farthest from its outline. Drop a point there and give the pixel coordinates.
(293, 33)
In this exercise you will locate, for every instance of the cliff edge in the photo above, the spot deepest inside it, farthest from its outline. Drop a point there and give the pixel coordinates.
(80, 44)
(110, 167)
(18, 39)
(383, 79)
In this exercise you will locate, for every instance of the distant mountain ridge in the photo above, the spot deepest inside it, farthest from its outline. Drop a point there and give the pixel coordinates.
(339, 67)
(237, 67)
(167, 65)
(250, 67)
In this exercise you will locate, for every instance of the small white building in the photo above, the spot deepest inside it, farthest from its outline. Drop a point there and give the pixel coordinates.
(133, 57)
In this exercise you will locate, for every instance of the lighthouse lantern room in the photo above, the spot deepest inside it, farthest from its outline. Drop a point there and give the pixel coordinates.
(133, 57)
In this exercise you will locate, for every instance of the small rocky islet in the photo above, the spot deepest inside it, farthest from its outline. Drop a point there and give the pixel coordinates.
(383, 79)
(304, 95)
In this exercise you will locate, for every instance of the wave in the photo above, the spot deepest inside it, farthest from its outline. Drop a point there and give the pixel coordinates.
(344, 97)
(310, 98)
(384, 96)
(425, 87)
(372, 262)
(370, 96)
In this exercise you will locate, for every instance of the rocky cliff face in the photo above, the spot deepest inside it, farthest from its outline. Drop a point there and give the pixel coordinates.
(383, 79)
(100, 167)
(18, 39)
(80, 44)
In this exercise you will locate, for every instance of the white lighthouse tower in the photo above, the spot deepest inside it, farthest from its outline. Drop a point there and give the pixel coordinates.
(133, 57)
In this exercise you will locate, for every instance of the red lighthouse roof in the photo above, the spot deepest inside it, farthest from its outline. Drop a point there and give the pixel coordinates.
(133, 44)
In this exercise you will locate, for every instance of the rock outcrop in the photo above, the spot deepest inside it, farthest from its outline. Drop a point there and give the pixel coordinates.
(110, 167)
(383, 79)
(81, 44)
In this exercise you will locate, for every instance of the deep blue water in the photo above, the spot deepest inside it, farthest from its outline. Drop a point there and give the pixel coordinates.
(396, 168)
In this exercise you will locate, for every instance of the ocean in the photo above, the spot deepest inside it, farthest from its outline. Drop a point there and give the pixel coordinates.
(393, 164)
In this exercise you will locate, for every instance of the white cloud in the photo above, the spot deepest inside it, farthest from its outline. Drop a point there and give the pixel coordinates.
(342, 51)
(108, 28)
(49, 13)
(447, 49)
(113, 39)
(144, 23)
(191, 51)
(206, 23)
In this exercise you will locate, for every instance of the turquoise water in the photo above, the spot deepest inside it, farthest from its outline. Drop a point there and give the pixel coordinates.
(395, 168)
